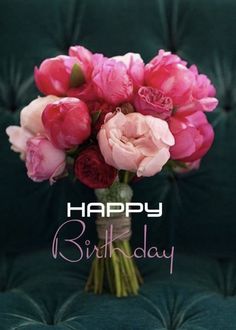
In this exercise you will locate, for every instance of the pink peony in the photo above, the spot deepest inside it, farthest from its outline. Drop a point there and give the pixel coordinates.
(168, 73)
(151, 101)
(135, 67)
(67, 122)
(203, 93)
(111, 80)
(85, 58)
(43, 160)
(189, 90)
(193, 136)
(135, 142)
(202, 86)
(30, 116)
(54, 75)
(86, 91)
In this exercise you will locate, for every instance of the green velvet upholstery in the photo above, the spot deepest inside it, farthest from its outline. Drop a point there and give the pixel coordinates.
(38, 292)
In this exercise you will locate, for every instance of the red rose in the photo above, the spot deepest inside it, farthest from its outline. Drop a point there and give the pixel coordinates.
(67, 122)
(91, 169)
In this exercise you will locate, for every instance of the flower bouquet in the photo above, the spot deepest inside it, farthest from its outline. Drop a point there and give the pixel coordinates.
(108, 121)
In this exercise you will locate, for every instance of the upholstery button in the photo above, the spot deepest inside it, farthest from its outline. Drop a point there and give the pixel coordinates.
(50, 320)
(172, 48)
(228, 100)
(15, 90)
(227, 108)
(3, 273)
(2, 288)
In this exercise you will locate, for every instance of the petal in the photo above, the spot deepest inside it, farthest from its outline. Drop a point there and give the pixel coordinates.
(18, 137)
(184, 144)
(152, 165)
(125, 159)
(160, 130)
(105, 147)
(208, 103)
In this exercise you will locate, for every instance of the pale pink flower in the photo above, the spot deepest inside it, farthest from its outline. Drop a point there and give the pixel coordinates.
(18, 137)
(135, 143)
(30, 116)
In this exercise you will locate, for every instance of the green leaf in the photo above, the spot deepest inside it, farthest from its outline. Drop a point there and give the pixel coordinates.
(174, 111)
(77, 76)
(181, 164)
(171, 164)
(95, 115)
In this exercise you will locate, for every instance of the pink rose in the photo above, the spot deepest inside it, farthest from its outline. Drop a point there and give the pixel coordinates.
(151, 101)
(18, 137)
(135, 143)
(193, 136)
(43, 160)
(168, 73)
(135, 67)
(203, 93)
(54, 75)
(111, 80)
(67, 122)
(30, 116)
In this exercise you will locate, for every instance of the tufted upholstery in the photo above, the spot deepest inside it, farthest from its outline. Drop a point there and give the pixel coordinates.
(38, 292)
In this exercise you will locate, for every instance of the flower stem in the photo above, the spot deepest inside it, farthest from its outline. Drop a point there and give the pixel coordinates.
(115, 264)
(126, 177)
(121, 273)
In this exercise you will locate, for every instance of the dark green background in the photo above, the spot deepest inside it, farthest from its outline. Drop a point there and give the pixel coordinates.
(199, 207)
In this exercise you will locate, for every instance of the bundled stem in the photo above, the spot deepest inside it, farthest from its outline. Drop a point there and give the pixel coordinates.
(117, 270)
(114, 266)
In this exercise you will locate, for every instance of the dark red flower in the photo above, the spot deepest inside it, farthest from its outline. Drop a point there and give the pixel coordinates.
(98, 113)
(92, 170)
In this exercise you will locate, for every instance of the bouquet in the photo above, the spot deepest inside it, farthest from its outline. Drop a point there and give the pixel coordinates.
(108, 122)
